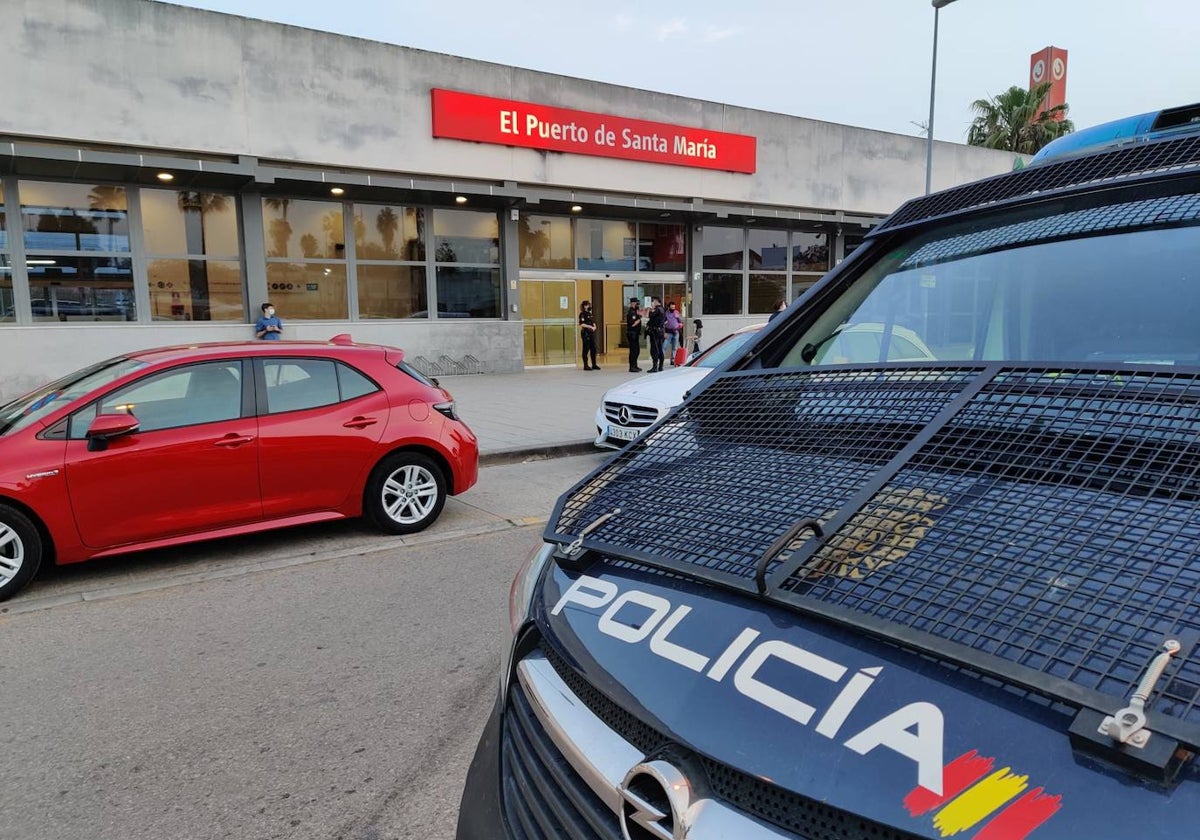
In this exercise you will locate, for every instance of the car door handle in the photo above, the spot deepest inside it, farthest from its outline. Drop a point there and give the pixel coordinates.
(360, 422)
(233, 439)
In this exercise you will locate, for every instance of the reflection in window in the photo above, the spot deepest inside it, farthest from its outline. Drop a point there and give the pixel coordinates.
(196, 225)
(80, 288)
(768, 250)
(74, 217)
(298, 384)
(389, 233)
(465, 292)
(810, 251)
(603, 245)
(3, 223)
(722, 293)
(723, 248)
(545, 242)
(299, 229)
(185, 396)
(308, 291)
(8, 305)
(766, 290)
(661, 247)
(392, 291)
(466, 236)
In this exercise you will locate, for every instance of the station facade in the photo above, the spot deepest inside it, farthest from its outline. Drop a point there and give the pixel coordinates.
(164, 171)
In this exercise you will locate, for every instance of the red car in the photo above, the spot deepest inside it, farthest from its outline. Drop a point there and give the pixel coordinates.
(179, 444)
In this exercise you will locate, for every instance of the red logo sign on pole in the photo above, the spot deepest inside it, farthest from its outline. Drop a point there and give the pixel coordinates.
(484, 119)
(1050, 65)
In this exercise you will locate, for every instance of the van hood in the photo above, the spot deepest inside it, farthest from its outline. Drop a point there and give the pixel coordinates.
(853, 725)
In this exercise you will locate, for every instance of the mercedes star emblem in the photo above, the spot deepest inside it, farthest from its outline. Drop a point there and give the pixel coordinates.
(623, 415)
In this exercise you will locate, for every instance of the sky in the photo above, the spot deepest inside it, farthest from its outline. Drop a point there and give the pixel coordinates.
(861, 62)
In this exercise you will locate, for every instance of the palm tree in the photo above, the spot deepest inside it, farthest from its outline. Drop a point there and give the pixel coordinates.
(387, 223)
(194, 205)
(1018, 121)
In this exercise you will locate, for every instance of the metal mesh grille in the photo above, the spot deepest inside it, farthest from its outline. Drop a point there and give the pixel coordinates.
(1177, 209)
(1142, 158)
(759, 447)
(1052, 523)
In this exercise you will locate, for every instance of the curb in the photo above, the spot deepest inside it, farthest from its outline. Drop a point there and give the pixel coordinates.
(538, 453)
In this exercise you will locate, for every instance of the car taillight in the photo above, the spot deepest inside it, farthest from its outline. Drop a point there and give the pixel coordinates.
(446, 408)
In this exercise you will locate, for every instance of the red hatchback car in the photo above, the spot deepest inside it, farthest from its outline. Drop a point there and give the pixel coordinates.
(180, 444)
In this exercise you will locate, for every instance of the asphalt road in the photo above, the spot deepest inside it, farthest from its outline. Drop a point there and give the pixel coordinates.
(321, 683)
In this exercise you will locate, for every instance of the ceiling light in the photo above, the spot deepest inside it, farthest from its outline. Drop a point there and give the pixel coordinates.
(462, 199)
(337, 191)
(165, 176)
(575, 208)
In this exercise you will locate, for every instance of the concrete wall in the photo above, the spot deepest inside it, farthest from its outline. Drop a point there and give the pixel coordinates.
(32, 356)
(148, 74)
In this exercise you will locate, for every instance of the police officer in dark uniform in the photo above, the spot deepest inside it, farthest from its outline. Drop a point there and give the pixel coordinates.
(656, 327)
(633, 334)
(587, 334)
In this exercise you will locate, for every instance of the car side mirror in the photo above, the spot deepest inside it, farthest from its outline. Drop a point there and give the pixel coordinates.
(108, 426)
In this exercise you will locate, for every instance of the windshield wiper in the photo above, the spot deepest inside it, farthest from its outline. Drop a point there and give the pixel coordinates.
(809, 351)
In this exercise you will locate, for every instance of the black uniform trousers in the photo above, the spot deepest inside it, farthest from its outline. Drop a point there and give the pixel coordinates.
(656, 351)
(634, 337)
(588, 339)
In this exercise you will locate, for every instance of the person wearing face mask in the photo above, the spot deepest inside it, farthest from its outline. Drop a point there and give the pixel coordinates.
(587, 335)
(269, 327)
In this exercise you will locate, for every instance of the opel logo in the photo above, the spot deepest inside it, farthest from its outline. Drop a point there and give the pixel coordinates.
(623, 415)
(656, 802)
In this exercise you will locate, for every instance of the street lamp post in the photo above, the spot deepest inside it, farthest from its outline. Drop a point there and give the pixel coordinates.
(937, 7)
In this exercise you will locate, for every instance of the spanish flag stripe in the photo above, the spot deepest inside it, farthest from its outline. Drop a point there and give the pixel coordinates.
(1018, 820)
(957, 776)
(977, 803)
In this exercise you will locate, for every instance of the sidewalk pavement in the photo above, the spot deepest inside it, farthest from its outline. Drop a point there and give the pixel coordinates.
(542, 411)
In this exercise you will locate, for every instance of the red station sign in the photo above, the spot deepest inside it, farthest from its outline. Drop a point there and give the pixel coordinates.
(484, 119)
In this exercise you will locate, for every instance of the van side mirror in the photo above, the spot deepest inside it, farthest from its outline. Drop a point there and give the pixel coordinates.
(108, 426)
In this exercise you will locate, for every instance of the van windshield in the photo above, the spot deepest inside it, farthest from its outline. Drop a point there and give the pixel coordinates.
(1118, 283)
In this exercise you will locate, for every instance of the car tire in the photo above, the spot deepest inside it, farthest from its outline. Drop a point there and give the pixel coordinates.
(405, 493)
(20, 551)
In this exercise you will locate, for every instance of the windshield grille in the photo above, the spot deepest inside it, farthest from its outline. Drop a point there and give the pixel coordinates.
(1046, 518)
(1124, 162)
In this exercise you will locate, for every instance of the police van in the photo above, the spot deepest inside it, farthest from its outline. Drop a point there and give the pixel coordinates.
(949, 597)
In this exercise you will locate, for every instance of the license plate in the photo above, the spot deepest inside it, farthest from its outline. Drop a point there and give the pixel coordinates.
(622, 434)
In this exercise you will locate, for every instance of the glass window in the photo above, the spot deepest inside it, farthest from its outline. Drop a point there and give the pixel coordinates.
(662, 247)
(298, 384)
(468, 292)
(190, 223)
(298, 229)
(74, 217)
(609, 246)
(21, 412)
(810, 251)
(722, 294)
(185, 396)
(801, 283)
(3, 222)
(81, 288)
(352, 384)
(768, 250)
(8, 304)
(545, 242)
(850, 243)
(389, 233)
(766, 290)
(308, 291)
(466, 236)
(392, 291)
(195, 290)
(723, 247)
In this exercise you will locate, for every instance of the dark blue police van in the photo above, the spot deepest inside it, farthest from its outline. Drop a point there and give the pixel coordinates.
(957, 597)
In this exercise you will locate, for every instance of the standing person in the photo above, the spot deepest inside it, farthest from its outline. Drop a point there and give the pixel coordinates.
(268, 327)
(633, 334)
(780, 308)
(697, 326)
(674, 328)
(587, 334)
(655, 330)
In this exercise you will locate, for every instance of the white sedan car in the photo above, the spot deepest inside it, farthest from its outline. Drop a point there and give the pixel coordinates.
(629, 409)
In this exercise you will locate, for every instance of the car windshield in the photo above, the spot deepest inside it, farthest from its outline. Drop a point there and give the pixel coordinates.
(21, 412)
(1070, 281)
(720, 352)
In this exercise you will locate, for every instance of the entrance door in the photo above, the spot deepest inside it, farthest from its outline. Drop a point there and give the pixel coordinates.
(550, 309)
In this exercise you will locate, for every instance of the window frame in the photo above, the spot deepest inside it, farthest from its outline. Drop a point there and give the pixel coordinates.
(260, 383)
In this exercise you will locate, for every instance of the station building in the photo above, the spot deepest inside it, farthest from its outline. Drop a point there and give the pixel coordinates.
(166, 170)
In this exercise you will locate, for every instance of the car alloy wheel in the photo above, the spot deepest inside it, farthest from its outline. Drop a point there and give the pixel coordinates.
(20, 550)
(405, 493)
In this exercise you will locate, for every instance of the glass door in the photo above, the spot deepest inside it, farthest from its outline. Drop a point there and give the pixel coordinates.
(549, 309)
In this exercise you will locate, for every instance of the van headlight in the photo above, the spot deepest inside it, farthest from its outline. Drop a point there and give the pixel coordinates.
(520, 602)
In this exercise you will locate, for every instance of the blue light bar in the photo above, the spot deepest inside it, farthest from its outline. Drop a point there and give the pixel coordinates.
(1172, 121)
